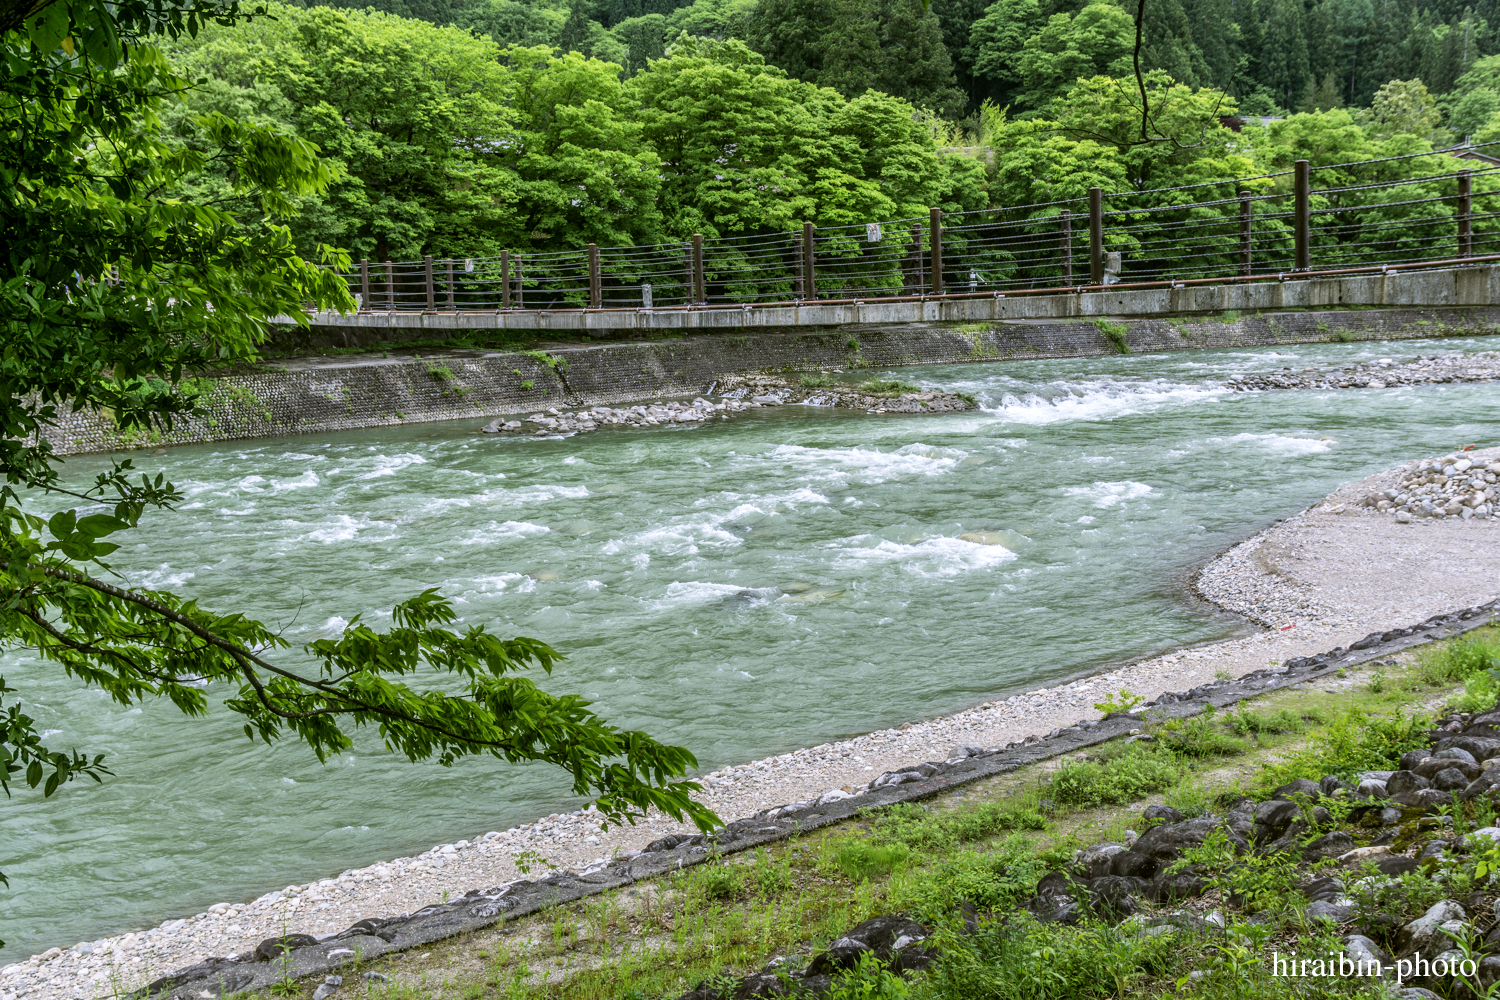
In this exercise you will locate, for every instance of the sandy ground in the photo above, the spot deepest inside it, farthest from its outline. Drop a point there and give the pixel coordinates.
(1321, 579)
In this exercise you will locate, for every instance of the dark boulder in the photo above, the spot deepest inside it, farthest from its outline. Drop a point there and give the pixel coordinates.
(1392, 865)
(1113, 897)
(1481, 747)
(1412, 758)
(1272, 817)
(1161, 814)
(1166, 843)
(1133, 864)
(1330, 845)
(1301, 788)
(1405, 781)
(1432, 766)
(894, 940)
(276, 947)
(1184, 883)
(1450, 779)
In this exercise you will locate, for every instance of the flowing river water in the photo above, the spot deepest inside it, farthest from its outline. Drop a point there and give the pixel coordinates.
(774, 581)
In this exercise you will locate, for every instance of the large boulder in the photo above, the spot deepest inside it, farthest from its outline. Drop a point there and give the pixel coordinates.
(1113, 897)
(1481, 748)
(1183, 883)
(1166, 843)
(1330, 845)
(1429, 933)
(1272, 817)
(1096, 860)
(1302, 788)
(1133, 864)
(895, 940)
(1402, 782)
(1432, 766)
(1367, 955)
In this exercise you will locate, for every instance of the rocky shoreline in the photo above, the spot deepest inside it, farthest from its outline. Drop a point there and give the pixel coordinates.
(738, 394)
(1383, 373)
(1294, 577)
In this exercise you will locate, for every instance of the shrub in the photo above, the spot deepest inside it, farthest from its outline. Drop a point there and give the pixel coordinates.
(1124, 778)
(1481, 691)
(1198, 737)
(1000, 880)
(887, 387)
(861, 860)
(1248, 723)
(916, 826)
(1352, 742)
(720, 881)
(1459, 660)
(818, 381)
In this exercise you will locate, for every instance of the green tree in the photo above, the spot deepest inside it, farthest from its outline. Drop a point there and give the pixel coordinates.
(1405, 107)
(996, 45)
(854, 45)
(1096, 42)
(111, 293)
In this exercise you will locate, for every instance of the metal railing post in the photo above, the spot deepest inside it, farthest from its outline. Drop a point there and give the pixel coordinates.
(364, 284)
(1065, 244)
(1096, 236)
(596, 292)
(390, 287)
(1302, 217)
(809, 266)
(700, 292)
(1465, 214)
(935, 245)
(427, 276)
(1246, 233)
(504, 279)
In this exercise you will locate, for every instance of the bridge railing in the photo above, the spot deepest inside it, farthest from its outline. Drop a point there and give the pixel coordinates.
(1392, 211)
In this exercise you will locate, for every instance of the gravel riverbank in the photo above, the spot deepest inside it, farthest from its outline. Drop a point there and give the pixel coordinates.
(1320, 579)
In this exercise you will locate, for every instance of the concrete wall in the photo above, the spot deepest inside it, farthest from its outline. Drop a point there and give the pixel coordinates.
(323, 394)
(1473, 286)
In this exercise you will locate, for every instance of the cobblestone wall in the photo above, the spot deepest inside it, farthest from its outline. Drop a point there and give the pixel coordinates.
(323, 394)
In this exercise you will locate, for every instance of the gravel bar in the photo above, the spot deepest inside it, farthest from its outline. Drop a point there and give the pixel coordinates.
(1335, 577)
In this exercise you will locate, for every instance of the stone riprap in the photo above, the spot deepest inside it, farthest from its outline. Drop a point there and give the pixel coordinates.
(558, 422)
(872, 397)
(1383, 373)
(318, 394)
(1353, 576)
(1455, 485)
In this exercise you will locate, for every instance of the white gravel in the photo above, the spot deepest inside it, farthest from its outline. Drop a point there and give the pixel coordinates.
(1321, 579)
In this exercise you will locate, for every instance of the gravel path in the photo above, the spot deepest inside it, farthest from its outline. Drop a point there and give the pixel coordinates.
(1321, 579)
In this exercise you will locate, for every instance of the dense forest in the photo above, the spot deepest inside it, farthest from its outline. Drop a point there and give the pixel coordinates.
(460, 128)
(1272, 56)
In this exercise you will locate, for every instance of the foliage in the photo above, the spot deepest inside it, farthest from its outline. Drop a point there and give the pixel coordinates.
(1352, 742)
(1122, 701)
(1119, 775)
(818, 381)
(860, 860)
(1247, 722)
(1199, 736)
(887, 387)
(1459, 660)
(1260, 882)
(116, 296)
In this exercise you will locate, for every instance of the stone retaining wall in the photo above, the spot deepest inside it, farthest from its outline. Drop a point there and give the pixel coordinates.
(340, 393)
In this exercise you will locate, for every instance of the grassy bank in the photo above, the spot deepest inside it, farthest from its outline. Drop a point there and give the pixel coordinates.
(966, 864)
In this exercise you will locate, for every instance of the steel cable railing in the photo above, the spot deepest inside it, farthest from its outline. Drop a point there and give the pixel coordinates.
(1267, 225)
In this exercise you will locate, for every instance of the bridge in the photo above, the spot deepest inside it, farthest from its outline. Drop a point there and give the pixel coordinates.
(1410, 231)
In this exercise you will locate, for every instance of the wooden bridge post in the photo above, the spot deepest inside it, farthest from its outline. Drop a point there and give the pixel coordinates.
(1246, 233)
(364, 284)
(700, 292)
(1465, 214)
(1065, 244)
(935, 245)
(1301, 216)
(390, 287)
(809, 269)
(427, 277)
(1096, 236)
(504, 279)
(520, 285)
(596, 292)
(452, 301)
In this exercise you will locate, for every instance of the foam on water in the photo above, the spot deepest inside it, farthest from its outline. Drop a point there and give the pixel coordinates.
(722, 589)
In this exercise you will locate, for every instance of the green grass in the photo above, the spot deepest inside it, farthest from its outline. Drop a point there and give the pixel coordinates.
(887, 387)
(1114, 333)
(984, 848)
(817, 381)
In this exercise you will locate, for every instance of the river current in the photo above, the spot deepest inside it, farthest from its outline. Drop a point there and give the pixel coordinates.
(743, 588)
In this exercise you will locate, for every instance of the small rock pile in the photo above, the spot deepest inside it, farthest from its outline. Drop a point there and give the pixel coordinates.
(775, 390)
(1450, 486)
(555, 421)
(1380, 374)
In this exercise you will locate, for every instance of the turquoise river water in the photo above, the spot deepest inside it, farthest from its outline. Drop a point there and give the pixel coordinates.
(743, 588)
